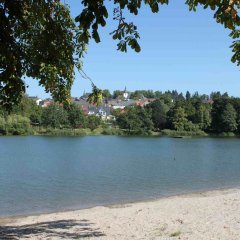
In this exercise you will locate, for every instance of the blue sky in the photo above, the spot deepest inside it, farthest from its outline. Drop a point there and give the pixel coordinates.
(181, 50)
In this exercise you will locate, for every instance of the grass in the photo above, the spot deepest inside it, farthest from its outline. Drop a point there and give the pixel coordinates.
(62, 132)
(224, 134)
(112, 130)
(173, 133)
(76, 132)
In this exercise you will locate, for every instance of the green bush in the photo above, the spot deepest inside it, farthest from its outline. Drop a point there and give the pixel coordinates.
(17, 125)
(111, 131)
(93, 122)
(225, 134)
(2, 126)
(191, 127)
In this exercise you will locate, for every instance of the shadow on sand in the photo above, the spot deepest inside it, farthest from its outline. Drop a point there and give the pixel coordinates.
(62, 229)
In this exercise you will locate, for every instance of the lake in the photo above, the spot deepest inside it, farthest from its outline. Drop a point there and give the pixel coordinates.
(45, 174)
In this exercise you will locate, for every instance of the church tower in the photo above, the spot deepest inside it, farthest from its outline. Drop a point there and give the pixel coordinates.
(125, 94)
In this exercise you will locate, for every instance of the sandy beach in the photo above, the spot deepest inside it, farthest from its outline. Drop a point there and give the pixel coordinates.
(208, 215)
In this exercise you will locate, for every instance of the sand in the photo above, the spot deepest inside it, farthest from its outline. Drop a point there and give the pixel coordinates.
(209, 215)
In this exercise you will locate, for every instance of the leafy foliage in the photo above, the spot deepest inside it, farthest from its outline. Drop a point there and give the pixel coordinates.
(179, 119)
(106, 93)
(195, 115)
(229, 118)
(159, 113)
(39, 39)
(54, 116)
(96, 96)
(15, 125)
(93, 122)
(76, 117)
(225, 114)
(135, 120)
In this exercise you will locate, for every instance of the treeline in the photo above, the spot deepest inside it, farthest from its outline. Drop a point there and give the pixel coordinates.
(136, 94)
(29, 118)
(172, 113)
(169, 113)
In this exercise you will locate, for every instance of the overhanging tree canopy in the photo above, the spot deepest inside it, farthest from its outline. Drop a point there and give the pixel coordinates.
(39, 39)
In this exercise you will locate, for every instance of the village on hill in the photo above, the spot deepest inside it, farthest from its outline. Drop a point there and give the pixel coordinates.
(109, 103)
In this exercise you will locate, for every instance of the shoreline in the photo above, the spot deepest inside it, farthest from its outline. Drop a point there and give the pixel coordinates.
(152, 135)
(126, 202)
(211, 212)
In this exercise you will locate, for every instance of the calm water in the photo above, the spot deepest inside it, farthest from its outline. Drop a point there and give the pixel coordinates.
(41, 174)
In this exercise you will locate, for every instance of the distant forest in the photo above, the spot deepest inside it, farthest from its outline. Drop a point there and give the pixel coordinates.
(168, 113)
